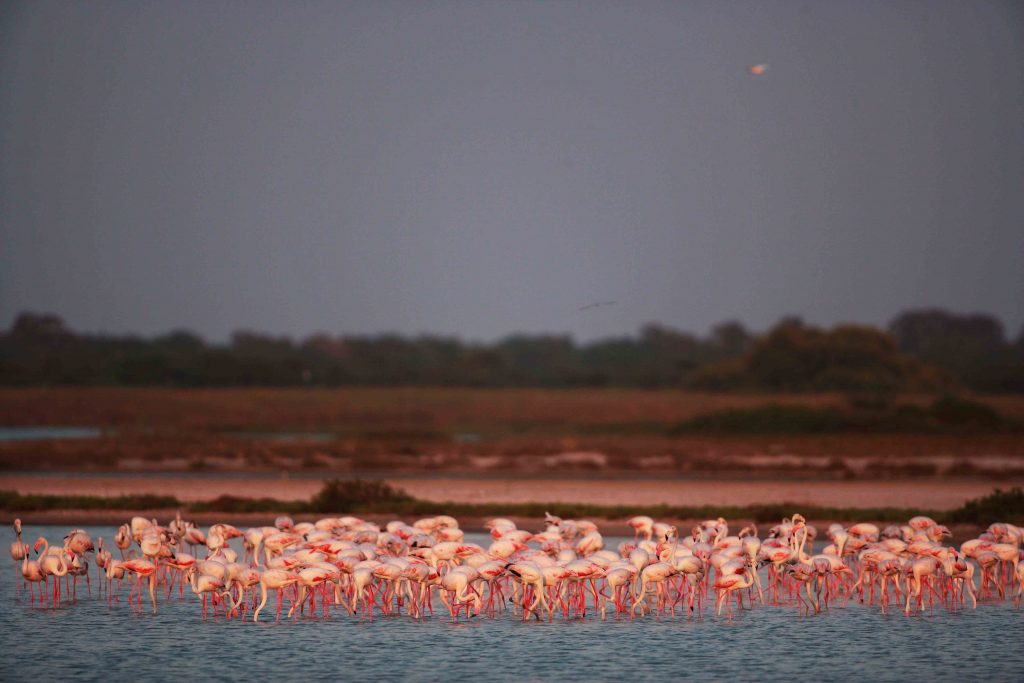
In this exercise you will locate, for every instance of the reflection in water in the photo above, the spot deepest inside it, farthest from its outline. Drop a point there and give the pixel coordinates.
(45, 433)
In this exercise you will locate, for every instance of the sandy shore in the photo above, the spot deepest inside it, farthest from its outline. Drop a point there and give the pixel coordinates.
(932, 494)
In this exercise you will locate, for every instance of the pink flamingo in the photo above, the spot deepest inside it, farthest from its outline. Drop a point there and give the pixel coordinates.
(654, 575)
(920, 573)
(142, 569)
(205, 584)
(727, 584)
(33, 575)
(274, 579)
(52, 563)
(458, 584)
(18, 553)
(642, 525)
(529, 574)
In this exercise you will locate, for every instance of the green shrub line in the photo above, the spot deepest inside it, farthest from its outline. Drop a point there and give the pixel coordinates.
(945, 415)
(12, 500)
(361, 496)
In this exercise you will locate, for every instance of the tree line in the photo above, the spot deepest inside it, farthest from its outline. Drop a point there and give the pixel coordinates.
(923, 350)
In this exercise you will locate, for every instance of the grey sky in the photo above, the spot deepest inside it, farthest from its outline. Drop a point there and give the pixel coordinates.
(481, 168)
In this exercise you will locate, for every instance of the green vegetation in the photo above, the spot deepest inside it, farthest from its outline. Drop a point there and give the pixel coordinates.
(12, 500)
(954, 411)
(357, 496)
(922, 351)
(768, 420)
(998, 506)
(945, 415)
(972, 348)
(794, 357)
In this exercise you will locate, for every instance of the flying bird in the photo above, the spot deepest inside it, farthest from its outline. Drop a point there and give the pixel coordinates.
(597, 305)
(758, 69)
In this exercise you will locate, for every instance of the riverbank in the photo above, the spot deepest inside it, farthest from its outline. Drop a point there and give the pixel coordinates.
(931, 494)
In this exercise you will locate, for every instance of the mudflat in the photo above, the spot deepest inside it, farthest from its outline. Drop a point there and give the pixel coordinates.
(926, 493)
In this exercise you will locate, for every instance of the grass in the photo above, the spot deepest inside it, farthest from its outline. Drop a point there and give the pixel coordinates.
(424, 413)
(999, 506)
(392, 428)
(944, 415)
(359, 496)
(772, 419)
(12, 500)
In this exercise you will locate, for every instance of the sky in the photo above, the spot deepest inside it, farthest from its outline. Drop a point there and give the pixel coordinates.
(485, 168)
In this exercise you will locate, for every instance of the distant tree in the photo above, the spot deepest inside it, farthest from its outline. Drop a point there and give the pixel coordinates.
(792, 356)
(933, 333)
(540, 360)
(796, 357)
(731, 338)
(31, 327)
(180, 340)
(971, 347)
(255, 343)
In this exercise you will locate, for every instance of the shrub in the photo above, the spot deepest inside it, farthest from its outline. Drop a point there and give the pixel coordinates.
(998, 506)
(12, 500)
(953, 411)
(338, 495)
(767, 420)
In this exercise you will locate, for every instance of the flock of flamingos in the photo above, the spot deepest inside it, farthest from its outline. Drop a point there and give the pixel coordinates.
(564, 569)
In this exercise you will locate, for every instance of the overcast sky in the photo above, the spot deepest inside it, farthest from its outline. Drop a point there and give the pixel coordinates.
(481, 168)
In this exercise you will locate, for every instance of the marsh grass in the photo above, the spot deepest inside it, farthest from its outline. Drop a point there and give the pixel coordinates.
(12, 500)
(945, 415)
(370, 496)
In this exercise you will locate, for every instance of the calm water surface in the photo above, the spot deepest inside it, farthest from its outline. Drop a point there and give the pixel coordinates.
(90, 640)
(48, 433)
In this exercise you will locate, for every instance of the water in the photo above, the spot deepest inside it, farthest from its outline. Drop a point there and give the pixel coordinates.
(90, 640)
(48, 433)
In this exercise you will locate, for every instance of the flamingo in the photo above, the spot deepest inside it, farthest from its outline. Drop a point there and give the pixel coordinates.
(142, 569)
(957, 568)
(205, 584)
(123, 538)
(18, 552)
(726, 584)
(33, 575)
(79, 566)
(274, 579)
(102, 558)
(619, 580)
(529, 574)
(654, 574)
(396, 566)
(1020, 586)
(457, 584)
(642, 526)
(919, 573)
(52, 562)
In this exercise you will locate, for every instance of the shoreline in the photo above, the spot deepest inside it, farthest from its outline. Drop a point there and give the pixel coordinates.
(929, 494)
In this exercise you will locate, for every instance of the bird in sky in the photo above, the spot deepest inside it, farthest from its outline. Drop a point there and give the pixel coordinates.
(597, 305)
